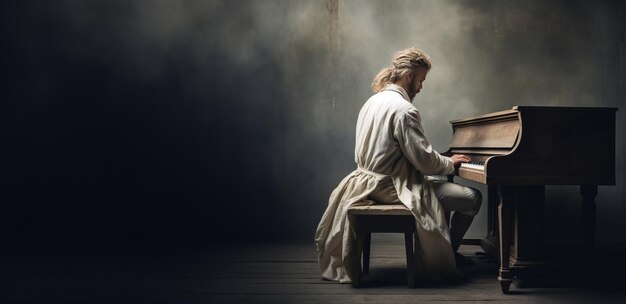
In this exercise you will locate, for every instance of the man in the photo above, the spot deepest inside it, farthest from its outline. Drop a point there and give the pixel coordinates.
(394, 163)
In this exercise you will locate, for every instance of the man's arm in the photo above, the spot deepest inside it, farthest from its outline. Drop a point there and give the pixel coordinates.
(416, 148)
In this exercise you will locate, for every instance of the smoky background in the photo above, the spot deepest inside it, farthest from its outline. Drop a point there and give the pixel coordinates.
(149, 123)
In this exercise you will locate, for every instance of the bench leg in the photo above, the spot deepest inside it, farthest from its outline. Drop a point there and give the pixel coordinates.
(366, 253)
(356, 259)
(410, 259)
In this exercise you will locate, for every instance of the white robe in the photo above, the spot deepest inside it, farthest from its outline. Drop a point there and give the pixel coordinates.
(390, 142)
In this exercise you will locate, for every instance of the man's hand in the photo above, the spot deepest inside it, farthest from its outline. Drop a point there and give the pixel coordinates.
(458, 159)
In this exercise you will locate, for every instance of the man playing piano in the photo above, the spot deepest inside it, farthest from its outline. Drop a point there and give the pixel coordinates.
(395, 163)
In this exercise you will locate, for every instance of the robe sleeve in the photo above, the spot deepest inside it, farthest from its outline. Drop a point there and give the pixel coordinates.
(410, 135)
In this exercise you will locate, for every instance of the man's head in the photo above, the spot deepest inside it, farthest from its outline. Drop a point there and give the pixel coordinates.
(408, 69)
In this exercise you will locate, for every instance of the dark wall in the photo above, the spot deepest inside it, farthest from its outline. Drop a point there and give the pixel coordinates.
(152, 122)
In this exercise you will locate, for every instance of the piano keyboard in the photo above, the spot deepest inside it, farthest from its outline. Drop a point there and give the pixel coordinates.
(476, 165)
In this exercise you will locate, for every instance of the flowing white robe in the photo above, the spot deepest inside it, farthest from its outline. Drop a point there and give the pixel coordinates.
(390, 143)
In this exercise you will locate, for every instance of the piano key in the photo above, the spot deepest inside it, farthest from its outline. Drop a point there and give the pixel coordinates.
(473, 166)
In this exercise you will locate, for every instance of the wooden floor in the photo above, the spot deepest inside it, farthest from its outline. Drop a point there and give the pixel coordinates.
(280, 273)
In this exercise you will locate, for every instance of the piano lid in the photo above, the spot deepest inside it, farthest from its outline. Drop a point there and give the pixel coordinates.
(491, 131)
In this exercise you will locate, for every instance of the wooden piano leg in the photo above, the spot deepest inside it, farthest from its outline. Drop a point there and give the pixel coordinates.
(505, 216)
(589, 193)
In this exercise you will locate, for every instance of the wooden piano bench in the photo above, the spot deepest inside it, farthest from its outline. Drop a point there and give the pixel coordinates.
(380, 218)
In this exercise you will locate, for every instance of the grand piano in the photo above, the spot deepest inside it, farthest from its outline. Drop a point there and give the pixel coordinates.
(517, 153)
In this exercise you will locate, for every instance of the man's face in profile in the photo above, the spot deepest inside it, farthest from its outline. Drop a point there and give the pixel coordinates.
(416, 84)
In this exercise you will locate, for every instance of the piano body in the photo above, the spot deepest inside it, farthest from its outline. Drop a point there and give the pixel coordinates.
(517, 153)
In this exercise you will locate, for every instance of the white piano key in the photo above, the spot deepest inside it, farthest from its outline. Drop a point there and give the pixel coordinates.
(473, 166)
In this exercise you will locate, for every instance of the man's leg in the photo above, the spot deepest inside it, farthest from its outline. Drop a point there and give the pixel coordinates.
(464, 201)
(459, 223)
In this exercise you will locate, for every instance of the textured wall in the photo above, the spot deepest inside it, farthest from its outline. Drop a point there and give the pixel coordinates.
(141, 122)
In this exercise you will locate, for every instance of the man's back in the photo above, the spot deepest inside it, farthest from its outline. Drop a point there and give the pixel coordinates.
(376, 148)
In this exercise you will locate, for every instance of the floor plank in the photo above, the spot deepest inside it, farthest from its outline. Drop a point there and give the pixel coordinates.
(269, 273)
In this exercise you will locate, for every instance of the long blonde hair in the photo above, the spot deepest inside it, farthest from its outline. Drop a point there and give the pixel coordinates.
(404, 62)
